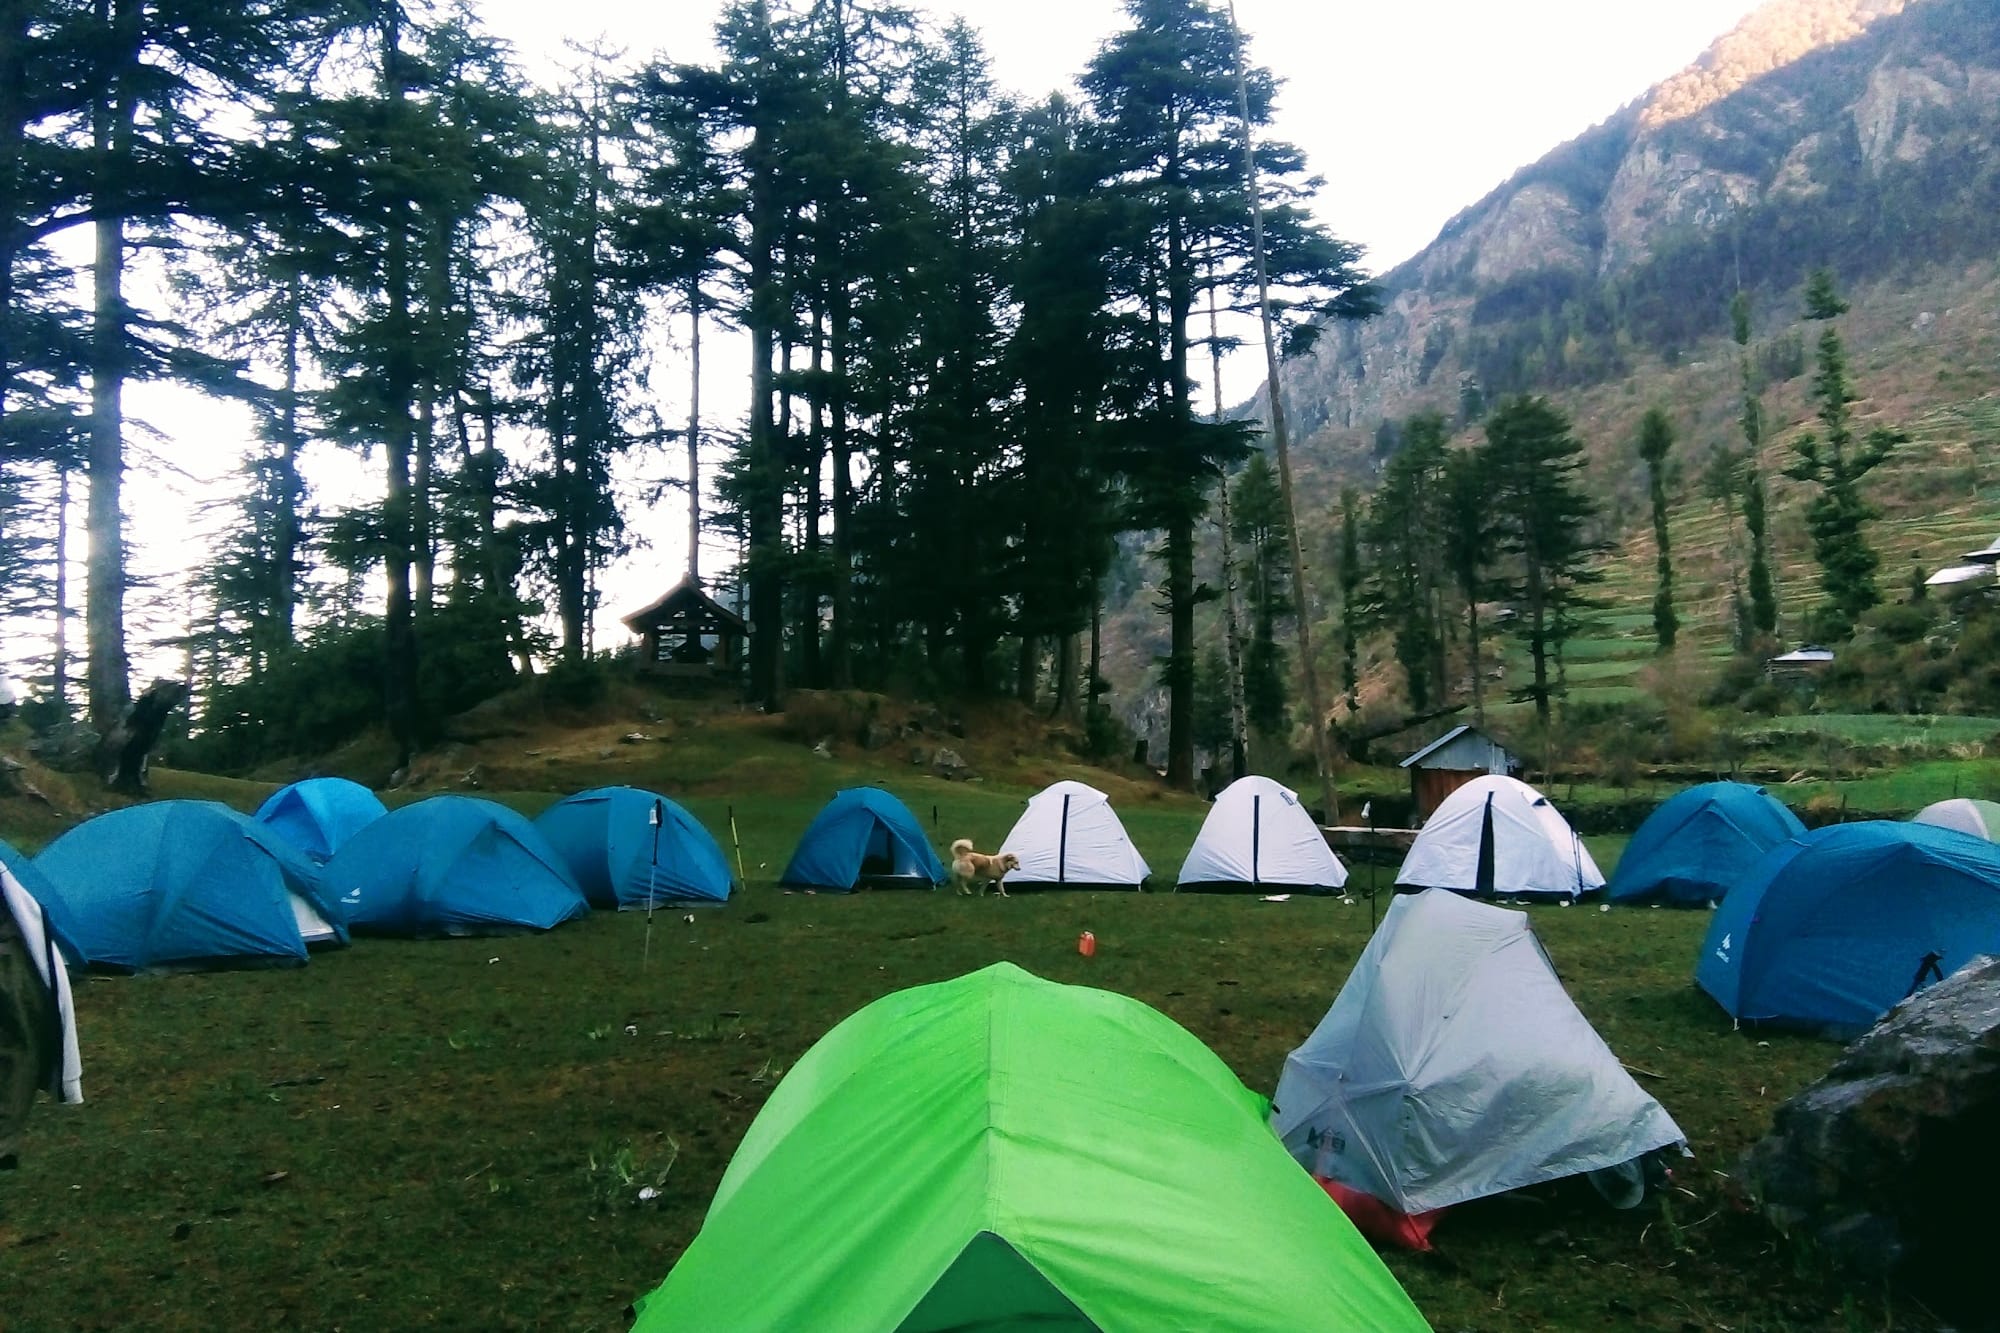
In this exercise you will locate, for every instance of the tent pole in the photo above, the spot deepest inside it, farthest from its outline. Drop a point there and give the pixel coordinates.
(1368, 814)
(652, 883)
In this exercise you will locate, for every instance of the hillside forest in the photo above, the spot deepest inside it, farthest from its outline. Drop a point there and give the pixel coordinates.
(974, 328)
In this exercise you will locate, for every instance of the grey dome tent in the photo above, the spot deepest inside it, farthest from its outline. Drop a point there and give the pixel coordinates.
(1453, 1066)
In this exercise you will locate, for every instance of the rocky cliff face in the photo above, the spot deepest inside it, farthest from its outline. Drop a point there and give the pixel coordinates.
(1820, 131)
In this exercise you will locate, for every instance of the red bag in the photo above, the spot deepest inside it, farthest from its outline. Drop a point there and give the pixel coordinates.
(1380, 1221)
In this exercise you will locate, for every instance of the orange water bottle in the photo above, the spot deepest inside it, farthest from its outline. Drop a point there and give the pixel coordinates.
(1086, 944)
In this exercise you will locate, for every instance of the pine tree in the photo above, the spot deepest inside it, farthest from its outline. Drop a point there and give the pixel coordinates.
(1763, 608)
(1833, 460)
(581, 358)
(681, 227)
(1351, 609)
(1262, 529)
(1405, 530)
(1656, 438)
(1540, 515)
(1468, 550)
(1165, 93)
(1058, 353)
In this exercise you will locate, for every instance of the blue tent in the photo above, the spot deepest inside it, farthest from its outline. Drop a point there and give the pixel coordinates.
(452, 865)
(1831, 930)
(621, 857)
(864, 834)
(318, 815)
(55, 914)
(179, 883)
(1701, 844)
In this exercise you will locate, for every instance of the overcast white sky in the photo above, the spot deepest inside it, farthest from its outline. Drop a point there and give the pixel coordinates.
(1411, 110)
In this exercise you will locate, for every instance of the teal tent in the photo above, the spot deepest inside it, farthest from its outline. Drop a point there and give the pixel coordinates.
(629, 849)
(864, 836)
(452, 865)
(1832, 930)
(1003, 1153)
(1701, 843)
(318, 815)
(185, 883)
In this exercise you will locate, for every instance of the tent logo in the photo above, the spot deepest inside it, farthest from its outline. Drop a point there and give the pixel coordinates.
(1326, 1140)
(1723, 951)
(353, 895)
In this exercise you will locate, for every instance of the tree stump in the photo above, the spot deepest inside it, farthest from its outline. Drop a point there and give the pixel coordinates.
(126, 752)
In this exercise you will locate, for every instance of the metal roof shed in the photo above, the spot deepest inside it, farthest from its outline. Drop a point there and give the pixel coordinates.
(1451, 761)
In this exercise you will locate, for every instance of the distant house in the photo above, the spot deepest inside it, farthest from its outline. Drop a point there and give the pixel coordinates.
(687, 633)
(1451, 761)
(1807, 661)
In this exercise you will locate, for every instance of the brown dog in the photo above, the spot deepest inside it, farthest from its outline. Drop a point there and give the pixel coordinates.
(969, 868)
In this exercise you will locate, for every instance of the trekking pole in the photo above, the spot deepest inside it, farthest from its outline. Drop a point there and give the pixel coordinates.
(738, 844)
(652, 881)
(1368, 816)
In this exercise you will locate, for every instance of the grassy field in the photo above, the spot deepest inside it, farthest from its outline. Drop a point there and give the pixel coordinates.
(452, 1134)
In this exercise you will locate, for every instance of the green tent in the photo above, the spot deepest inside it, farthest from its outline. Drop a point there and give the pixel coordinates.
(1003, 1153)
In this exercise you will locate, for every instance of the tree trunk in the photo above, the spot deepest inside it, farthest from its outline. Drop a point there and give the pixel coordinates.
(1027, 670)
(104, 573)
(1181, 515)
(1478, 677)
(841, 647)
(765, 503)
(1068, 664)
(811, 668)
(1322, 742)
(694, 433)
(422, 530)
(285, 537)
(13, 132)
(400, 683)
(59, 669)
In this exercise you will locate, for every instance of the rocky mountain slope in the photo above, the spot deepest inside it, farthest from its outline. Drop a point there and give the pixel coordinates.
(1863, 135)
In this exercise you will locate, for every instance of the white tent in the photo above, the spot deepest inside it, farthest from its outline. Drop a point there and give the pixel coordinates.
(1257, 835)
(1453, 1065)
(1498, 835)
(1071, 837)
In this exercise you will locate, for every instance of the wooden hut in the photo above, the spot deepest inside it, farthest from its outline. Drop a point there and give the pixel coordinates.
(688, 634)
(1451, 761)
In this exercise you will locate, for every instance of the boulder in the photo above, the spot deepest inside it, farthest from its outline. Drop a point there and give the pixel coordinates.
(69, 747)
(951, 766)
(876, 733)
(1887, 1162)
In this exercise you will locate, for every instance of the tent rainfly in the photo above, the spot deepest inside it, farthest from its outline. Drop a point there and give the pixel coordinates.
(452, 865)
(1453, 1066)
(864, 836)
(318, 815)
(628, 848)
(1832, 930)
(1257, 836)
(1700, 844)
(1000, 1152)
(1979, 818)
(1070, 838)
(1499, 836)
(185, 884)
